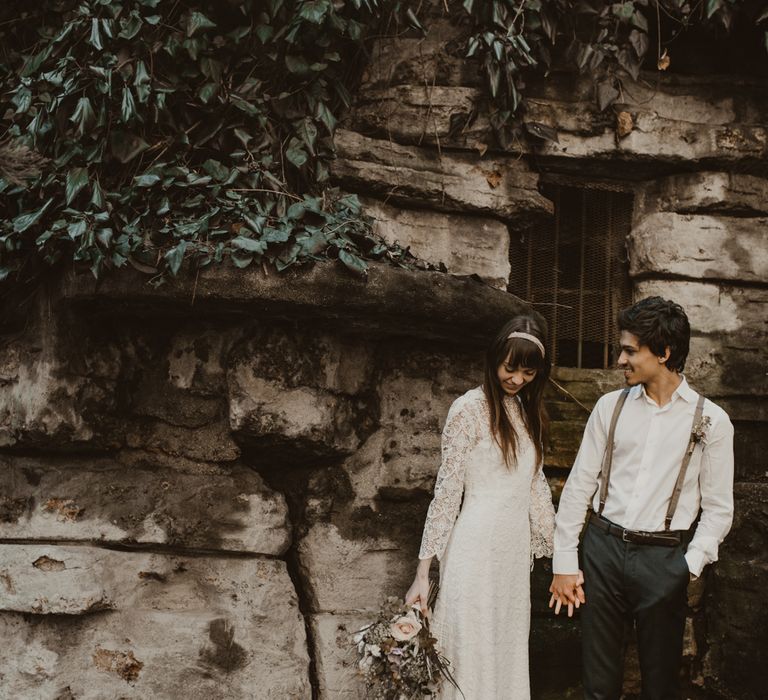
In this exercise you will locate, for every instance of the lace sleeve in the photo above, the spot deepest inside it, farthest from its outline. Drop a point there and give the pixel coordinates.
(459, 436)
(542, 516)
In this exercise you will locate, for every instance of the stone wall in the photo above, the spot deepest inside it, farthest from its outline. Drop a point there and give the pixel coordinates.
(694, 152)
(207, 486)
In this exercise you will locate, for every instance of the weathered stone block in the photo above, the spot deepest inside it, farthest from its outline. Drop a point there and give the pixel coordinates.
(465, 245)
(41, 402)
(336, 657)
(373, 567)
(429, 60)
(674, 122)
(211, 442)
(748, 538)
(185, 384)
(723, 370)
(394, 464)
(101, 500)
(709, 193)
(177, 627)
(299, 394)
(423, 114)
(502, 187)
(737, 629)
(700, 247)
(661, 130)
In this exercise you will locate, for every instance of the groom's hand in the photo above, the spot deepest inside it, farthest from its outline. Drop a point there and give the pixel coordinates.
(566, 589)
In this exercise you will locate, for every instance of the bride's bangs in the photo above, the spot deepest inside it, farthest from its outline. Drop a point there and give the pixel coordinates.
(523, 353)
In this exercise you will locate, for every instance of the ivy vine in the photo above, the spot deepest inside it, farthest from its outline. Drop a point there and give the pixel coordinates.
(162, 133)
(606, 40)
(181, 132)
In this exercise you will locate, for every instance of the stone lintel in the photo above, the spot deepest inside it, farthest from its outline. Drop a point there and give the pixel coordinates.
(391, 302)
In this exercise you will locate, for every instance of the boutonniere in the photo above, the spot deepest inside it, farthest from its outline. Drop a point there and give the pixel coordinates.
(699, 432)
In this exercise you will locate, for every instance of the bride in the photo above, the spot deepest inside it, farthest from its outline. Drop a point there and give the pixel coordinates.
(491, 456)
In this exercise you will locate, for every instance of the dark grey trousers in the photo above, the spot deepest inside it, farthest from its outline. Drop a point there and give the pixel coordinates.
(626, 583)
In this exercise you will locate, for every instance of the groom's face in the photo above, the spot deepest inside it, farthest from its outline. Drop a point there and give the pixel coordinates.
(640, 365)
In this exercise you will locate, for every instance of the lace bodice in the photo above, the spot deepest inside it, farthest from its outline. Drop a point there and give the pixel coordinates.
(466, 438)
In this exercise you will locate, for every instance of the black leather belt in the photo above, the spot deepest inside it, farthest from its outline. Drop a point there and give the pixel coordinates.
(660, 539)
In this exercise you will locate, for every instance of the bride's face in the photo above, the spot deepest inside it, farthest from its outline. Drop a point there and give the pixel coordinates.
(513, 379)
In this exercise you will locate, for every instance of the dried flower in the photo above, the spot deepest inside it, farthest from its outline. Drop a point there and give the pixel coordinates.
(398, 656)
(406, 627)
(699, 432)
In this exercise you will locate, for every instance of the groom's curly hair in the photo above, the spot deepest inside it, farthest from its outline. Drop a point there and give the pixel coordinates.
(659, 324)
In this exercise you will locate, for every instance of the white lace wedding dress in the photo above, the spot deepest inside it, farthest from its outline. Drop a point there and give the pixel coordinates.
(483, 611)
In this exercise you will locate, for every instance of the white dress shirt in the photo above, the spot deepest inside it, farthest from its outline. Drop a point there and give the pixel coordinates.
(649, 445)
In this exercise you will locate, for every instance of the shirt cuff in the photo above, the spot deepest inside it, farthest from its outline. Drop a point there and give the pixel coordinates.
(565, 563)
(695, 560)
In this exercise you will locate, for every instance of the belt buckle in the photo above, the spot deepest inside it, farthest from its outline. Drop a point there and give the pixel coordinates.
(624, 535)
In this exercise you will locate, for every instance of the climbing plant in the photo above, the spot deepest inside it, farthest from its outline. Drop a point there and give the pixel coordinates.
(163, 133)
(606, 40)
(182, 131)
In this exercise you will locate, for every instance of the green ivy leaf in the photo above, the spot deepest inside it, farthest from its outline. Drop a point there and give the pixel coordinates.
(141, 82)
(76, 229)
(83, 115)
(147, 180)
(264, 32)
(353, 263)
(23, 100)
(249, 245)
(207, 92)
(639, 41)
(130, 26)
(245, 106)
(314, 11)
(95, 37)
(175, 256)
(326, 116)
(713, 6)
(297, 64)
(295, 153)
(97, 195)
(77, 178)
(32, 64)
(125, 147)
(128, 107)
(24, 221)
(307, 131)
(606, 94)
(639, 20)
(197, 21)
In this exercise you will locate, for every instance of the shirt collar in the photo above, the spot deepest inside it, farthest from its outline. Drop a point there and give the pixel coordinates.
(683, 390)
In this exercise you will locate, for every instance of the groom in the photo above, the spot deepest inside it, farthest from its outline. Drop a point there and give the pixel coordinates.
(653, 454)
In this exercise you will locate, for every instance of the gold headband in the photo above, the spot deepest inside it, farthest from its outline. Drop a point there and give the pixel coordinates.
(532, 338)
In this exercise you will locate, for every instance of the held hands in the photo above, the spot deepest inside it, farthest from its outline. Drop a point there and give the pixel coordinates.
(566, 589)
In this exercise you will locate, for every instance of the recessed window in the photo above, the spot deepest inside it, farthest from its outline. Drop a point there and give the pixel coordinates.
(574, 270)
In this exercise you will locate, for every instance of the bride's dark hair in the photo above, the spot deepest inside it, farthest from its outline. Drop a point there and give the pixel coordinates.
(521, 353)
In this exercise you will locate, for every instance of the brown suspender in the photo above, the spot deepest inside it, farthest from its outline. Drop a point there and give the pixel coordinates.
(605, 472)
(684, 466)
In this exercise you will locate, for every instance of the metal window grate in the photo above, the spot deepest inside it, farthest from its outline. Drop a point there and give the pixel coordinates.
(574, 271)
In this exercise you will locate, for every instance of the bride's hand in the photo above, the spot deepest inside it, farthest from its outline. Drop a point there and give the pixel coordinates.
(418, 593)
(566, 589)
